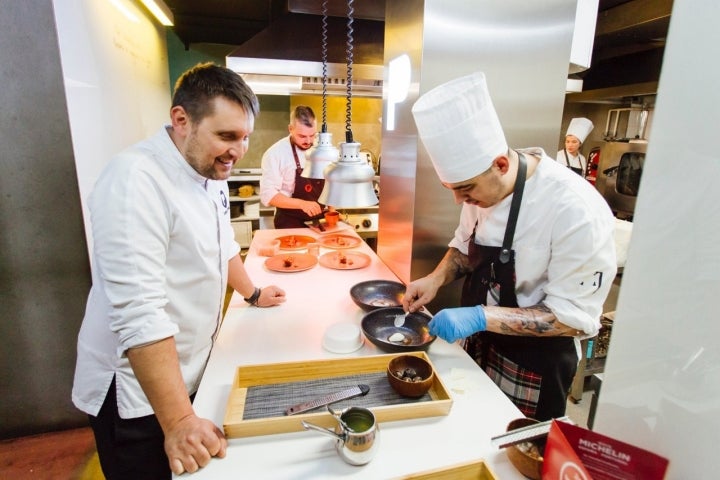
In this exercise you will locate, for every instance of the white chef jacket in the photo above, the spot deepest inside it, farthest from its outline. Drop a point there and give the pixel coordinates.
(564, 243)
(162, 242)
(278, 170)
(576, 161)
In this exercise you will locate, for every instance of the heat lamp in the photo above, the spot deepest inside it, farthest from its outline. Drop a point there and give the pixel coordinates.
(349, 179)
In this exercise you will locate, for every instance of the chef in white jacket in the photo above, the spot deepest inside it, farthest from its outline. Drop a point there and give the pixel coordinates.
(534, 243)
(570, 156)
(163, 255)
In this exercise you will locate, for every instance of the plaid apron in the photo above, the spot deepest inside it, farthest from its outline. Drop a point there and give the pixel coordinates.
(534, 372)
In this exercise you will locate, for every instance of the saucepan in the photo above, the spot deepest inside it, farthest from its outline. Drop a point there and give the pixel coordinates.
(355, 435)
(373, 294)
(412, 333)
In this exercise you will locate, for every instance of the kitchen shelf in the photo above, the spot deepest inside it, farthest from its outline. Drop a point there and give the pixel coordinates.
(244, 199)
(243, 224)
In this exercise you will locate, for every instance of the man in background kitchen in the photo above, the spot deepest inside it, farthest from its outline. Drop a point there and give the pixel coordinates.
(534, 243)
(163, 254)
(570, 156)
(281, 184)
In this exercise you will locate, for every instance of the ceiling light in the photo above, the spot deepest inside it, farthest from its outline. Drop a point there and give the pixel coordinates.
(272, 84)
(574, 85)
(122, 8)
(161, 11)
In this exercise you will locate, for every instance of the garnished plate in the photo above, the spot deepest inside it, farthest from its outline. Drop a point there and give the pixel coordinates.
(291, 262)
(339, 241)
(344, 260)
(295, 242)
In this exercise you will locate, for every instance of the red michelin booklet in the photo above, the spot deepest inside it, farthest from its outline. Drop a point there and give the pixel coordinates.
(574, 453)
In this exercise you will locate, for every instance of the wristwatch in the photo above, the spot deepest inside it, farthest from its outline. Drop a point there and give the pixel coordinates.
(253, 299)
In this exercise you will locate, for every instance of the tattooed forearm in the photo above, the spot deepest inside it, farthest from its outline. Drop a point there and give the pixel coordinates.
(535, 321)
(457, 263)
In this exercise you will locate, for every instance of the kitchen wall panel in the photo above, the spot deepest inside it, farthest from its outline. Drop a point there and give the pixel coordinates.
(524, 50)
(44, 270)
(661, 387)
(81, 80)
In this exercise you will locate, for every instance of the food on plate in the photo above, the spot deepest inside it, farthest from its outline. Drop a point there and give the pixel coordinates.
(408, 375)
(343, 259)
(531, 449)
(397, 337)
(288, 261)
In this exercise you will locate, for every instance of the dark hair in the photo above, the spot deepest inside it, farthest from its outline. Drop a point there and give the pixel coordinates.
(304, 115)
(198, 86)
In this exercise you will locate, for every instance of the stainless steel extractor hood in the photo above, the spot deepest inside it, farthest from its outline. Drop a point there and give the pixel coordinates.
(286, 57)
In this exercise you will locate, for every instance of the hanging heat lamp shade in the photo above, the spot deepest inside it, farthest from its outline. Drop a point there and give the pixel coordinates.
(349, 181)
(324, 153)
(320, 156)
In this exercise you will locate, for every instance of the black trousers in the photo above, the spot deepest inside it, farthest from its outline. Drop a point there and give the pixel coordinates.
(129, 449)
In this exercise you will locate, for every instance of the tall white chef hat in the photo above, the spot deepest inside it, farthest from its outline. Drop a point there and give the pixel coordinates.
(580, 128)
(459, 127)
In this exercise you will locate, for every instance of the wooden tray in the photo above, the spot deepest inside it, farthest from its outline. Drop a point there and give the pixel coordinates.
(474, 470)
(253, 375)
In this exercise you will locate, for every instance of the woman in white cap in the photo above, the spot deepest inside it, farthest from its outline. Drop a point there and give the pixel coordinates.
(570, 156)
(534, 243)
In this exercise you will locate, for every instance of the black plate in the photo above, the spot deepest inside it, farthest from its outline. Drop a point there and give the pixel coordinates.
(379, 325)
(375, 294)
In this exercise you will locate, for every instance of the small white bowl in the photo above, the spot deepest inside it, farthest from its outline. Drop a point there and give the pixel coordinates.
(342, 338)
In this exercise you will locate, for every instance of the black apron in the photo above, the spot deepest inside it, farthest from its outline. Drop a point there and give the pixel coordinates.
(305, 189)
(534, 372)
(578, 170)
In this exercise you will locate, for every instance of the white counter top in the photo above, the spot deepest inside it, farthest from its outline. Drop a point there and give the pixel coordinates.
(317, 298)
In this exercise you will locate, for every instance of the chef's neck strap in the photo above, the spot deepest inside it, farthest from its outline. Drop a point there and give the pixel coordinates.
(514, 208)
(298, 168)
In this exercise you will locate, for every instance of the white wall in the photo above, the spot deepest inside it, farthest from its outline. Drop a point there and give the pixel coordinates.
(114, 60)
(661, 389)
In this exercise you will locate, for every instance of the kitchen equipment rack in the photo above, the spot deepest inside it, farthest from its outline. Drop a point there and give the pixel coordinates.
(246, 211)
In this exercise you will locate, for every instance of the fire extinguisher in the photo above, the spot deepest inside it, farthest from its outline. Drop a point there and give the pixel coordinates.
(592, 165)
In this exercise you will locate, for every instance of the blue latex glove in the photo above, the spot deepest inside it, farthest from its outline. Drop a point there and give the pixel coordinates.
(452, 324)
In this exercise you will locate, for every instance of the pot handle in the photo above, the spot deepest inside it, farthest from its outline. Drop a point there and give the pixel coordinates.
(310, 426)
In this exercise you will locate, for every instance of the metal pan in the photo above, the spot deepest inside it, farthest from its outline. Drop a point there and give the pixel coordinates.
(378, 326)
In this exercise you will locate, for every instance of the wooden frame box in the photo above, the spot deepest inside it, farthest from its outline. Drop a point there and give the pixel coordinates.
(266, 374)
(473, 470)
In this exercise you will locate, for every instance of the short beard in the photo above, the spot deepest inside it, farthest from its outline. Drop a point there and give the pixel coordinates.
(207, 171)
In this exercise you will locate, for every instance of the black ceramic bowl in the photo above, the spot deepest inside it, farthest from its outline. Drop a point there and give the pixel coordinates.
(379, 325)
(375, 294)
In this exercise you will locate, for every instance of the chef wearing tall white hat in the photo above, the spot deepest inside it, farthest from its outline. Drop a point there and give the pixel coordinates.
(570, 156)
(534, 244)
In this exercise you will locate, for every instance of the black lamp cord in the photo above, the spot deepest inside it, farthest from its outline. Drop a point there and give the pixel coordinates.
(348, 110)
(324, 65)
